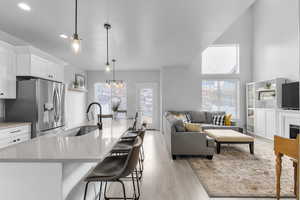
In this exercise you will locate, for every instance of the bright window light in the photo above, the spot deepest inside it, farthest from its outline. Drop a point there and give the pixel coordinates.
(221, 59)
(221, 95)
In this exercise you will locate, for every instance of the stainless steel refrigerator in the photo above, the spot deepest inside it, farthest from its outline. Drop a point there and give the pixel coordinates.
(40, 102)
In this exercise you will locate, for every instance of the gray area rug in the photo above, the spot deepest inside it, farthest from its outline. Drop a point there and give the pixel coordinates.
(236, 173)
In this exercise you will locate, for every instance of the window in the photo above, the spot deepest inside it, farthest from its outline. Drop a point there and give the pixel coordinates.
(106, 96)
(221, 95)
(223, 59)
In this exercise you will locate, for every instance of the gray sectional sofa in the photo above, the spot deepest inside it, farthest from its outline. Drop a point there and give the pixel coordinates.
(181, 142)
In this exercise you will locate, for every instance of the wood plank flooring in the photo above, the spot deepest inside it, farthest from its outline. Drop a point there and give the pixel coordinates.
(165, 179)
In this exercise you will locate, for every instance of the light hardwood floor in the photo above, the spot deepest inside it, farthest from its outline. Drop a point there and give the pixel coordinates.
(165, 179)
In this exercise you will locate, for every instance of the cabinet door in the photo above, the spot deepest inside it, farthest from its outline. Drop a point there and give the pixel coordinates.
(260, 121)
(7, 74)
(39, 67)
(270, 124)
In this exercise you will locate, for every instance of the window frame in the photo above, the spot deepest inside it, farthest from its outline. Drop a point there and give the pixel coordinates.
(111, 94)
(238, 93)
(222, 74)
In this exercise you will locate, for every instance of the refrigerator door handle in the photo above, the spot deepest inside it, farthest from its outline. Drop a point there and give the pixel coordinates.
(55, 103)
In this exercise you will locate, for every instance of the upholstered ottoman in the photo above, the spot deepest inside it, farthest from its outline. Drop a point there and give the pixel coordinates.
(225, 136)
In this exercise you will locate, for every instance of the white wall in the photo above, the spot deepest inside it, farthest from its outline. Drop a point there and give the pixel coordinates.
(76, 102)
(276, 46)
(131, 78)
(181, 87)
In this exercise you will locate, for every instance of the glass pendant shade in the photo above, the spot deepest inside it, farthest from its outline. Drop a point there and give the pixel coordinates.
(107, 67)
(76, 45)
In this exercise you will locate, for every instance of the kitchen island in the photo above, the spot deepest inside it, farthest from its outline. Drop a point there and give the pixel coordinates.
(52, 167)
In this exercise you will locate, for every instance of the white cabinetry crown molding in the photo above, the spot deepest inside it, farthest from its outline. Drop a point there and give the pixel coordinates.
(40, 53)
(36, 63)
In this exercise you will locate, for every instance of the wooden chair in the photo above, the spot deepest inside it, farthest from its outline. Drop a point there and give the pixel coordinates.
(290, 148)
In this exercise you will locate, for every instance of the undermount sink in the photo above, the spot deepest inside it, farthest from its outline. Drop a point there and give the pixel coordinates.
(83, 130)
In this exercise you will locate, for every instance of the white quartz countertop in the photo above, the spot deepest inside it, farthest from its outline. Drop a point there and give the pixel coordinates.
(91, 147)
(6, 125)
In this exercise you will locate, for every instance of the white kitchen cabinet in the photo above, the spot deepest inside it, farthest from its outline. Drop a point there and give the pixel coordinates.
(260, 122)
(270, 123)
(265, 123)
(33, 62)
(15, 135)
(7, 71)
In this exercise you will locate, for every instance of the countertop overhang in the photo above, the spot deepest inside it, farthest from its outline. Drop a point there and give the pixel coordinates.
(91, 147)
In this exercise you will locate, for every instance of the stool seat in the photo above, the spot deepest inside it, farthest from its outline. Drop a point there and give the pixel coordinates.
(130, 135)
(123, 146)
(109, 169)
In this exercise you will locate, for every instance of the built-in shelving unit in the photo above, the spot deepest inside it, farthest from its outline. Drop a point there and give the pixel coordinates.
(263, 102)
(78, 89)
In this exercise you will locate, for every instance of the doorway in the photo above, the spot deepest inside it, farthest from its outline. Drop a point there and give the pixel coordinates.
(147, 104)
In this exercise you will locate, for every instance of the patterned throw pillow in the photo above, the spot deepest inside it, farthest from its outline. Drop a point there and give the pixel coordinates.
(188, 117)
(219, 120)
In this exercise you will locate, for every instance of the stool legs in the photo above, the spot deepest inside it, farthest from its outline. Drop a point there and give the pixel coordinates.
(296, 181)
(278, 174)
(85, 190)
(100, 190)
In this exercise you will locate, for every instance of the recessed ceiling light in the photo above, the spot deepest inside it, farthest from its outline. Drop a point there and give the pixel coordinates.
(63, 36)
(24, 6)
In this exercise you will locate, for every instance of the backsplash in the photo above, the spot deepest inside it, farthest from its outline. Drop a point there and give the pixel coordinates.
(1, 110)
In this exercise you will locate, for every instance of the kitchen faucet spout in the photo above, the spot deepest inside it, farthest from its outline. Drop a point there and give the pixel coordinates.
(99, 116)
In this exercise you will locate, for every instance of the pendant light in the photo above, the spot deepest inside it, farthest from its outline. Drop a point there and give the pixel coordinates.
(114, 83)
(76, 46)
(107, 65)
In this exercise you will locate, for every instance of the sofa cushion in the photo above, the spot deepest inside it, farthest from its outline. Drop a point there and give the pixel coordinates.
(179, 126)
(198, 116)
(210, 115)
(193, 127)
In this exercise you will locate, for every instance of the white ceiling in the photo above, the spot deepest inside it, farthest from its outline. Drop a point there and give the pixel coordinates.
(145, 34)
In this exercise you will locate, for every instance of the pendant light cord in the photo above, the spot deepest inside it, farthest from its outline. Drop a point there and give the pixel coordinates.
(106, 45)
(114, 78)
(76, 17)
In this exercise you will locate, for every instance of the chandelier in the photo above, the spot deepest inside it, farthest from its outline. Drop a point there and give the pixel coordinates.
(114, 83)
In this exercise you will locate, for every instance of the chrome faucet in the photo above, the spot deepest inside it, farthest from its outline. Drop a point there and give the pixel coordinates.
(99, 116)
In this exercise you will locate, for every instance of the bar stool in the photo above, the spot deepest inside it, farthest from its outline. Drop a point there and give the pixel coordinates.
(114, 169)
(125, 145)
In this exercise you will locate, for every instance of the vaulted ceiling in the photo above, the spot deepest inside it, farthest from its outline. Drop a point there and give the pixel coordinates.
(145, 34)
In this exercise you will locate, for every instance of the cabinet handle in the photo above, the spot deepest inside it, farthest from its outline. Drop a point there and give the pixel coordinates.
(15, 131)
(1, 94)
(18, 139)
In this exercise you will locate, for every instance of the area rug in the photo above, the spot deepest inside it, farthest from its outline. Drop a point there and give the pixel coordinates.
(236, 173)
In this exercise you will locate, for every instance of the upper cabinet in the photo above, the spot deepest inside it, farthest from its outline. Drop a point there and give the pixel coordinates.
(7, 71)
(33, 62)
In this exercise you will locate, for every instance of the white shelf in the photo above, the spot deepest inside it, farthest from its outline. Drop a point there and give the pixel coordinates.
(78, 89)
(266, 90)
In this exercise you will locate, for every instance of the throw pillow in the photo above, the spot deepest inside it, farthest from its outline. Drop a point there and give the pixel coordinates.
(219, 120)
(181, 117)
(228, 120)
(179, 126)
(188, 117)
(192, 127)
